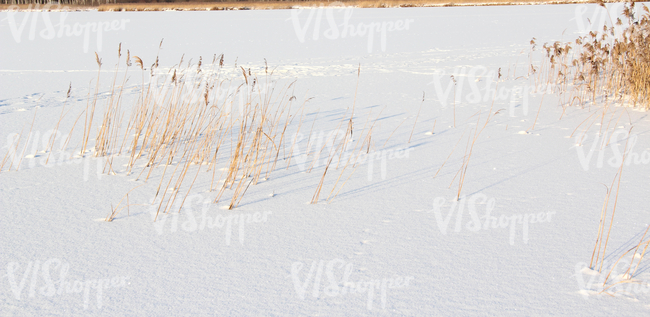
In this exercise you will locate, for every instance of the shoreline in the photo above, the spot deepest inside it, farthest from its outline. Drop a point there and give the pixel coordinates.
(277, 5)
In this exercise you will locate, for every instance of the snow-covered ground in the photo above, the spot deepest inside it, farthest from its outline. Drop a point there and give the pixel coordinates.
(394, 241)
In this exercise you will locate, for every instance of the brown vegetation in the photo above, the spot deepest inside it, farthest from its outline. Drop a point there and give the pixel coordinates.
(602, 67)
(197, 5)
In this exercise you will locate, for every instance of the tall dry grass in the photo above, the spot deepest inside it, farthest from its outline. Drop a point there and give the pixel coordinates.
(193, 119)
(598, 256)
(602, 67)
(185, 120)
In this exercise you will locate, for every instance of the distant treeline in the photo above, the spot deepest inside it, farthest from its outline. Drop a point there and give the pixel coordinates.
(100, 2)
(62, 2)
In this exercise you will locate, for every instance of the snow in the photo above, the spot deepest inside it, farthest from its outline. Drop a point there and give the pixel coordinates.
(518, 242)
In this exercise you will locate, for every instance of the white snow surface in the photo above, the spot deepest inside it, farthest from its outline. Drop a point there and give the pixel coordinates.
(393, 224)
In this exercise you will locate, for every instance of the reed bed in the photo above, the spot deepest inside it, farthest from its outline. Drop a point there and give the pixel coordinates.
(228, 123)
(185, 117)
(604, 67)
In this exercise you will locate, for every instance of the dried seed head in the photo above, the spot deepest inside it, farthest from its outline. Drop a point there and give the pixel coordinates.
(138, 62)
(244, 72)
(205, 95)
(99, 61)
